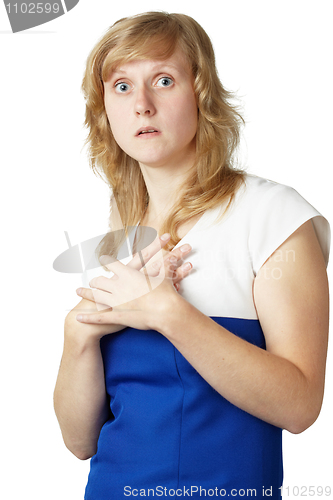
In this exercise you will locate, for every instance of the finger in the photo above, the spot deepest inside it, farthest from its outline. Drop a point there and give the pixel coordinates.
(123, 317)
(153, 269)
(179, 253)
(103, 283)
(96, 296)
(106, 260)
(85, 293)
(176, 256)
(99, 318)
(119, 269)
(168, 270)
(183, 271)
(115, 266)
(141, 258)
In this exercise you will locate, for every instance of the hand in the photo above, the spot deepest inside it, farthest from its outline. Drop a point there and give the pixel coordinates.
(137, 291)
(155, 262)
(82, 332)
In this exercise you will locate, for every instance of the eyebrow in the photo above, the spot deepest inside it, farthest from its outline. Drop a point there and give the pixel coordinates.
(156, 67)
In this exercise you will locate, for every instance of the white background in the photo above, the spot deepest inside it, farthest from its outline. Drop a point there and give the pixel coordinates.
(276, 55)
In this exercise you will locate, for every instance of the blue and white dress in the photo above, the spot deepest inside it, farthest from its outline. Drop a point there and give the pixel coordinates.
(171, 433)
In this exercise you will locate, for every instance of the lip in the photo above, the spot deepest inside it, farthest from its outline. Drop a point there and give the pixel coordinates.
(147, 129)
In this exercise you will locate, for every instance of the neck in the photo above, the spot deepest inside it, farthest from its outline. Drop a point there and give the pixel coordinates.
(164, 186)
(163, 194)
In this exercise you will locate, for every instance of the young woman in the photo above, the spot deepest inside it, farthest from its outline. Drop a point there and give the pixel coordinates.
(179, 382)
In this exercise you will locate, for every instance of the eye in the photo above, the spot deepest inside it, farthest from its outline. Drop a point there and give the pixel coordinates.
(121, 87)
(165, 81)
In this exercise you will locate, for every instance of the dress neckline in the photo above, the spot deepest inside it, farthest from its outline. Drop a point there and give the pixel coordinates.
(209, 216)
(193, 228)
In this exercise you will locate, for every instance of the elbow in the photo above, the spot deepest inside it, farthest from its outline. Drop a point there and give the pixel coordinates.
(298, 427)
(80, 452)
(302, 422)
(82, 455)
(306, 409)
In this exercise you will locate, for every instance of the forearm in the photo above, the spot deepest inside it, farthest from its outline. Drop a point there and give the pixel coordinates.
(79, 398)
(263, 384)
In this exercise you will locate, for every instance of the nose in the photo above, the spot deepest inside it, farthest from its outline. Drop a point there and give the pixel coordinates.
(144, 103)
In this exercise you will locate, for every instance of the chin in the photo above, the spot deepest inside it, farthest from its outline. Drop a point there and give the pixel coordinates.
(151, 160)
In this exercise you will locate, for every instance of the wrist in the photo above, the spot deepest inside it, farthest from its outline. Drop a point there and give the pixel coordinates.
(170, 314)
(78, 343)
(79, 337)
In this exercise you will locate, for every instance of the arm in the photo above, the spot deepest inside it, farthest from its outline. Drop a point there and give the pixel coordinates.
(284, 384)
(80, 399)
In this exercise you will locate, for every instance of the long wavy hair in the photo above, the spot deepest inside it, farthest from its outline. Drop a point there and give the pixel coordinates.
(213, 180)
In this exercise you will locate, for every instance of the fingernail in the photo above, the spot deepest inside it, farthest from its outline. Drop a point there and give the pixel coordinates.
(187, 266)
(172, 260)
(185, 248)
(79, 317)
(78, 291)
(165, 236)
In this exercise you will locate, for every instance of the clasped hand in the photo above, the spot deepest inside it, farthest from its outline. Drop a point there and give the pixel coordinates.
(138, 291)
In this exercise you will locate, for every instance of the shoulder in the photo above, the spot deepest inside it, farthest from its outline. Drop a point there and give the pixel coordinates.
(262, 188)
(257, 193)
(273, 212)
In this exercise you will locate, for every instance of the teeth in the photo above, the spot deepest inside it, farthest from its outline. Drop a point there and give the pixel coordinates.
(147, 131)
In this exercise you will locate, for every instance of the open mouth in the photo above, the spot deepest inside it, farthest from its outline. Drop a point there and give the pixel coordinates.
(147, 131)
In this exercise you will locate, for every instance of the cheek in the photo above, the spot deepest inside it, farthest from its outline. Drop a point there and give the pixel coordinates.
(115, 122)
(187, 117)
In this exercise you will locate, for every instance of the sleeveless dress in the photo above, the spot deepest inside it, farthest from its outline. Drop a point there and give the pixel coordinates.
(171, 433)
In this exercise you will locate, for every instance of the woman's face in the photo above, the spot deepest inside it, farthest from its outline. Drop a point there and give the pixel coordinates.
(152, 110)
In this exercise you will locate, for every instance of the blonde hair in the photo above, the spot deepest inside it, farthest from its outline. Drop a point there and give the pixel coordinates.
(213, 178)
